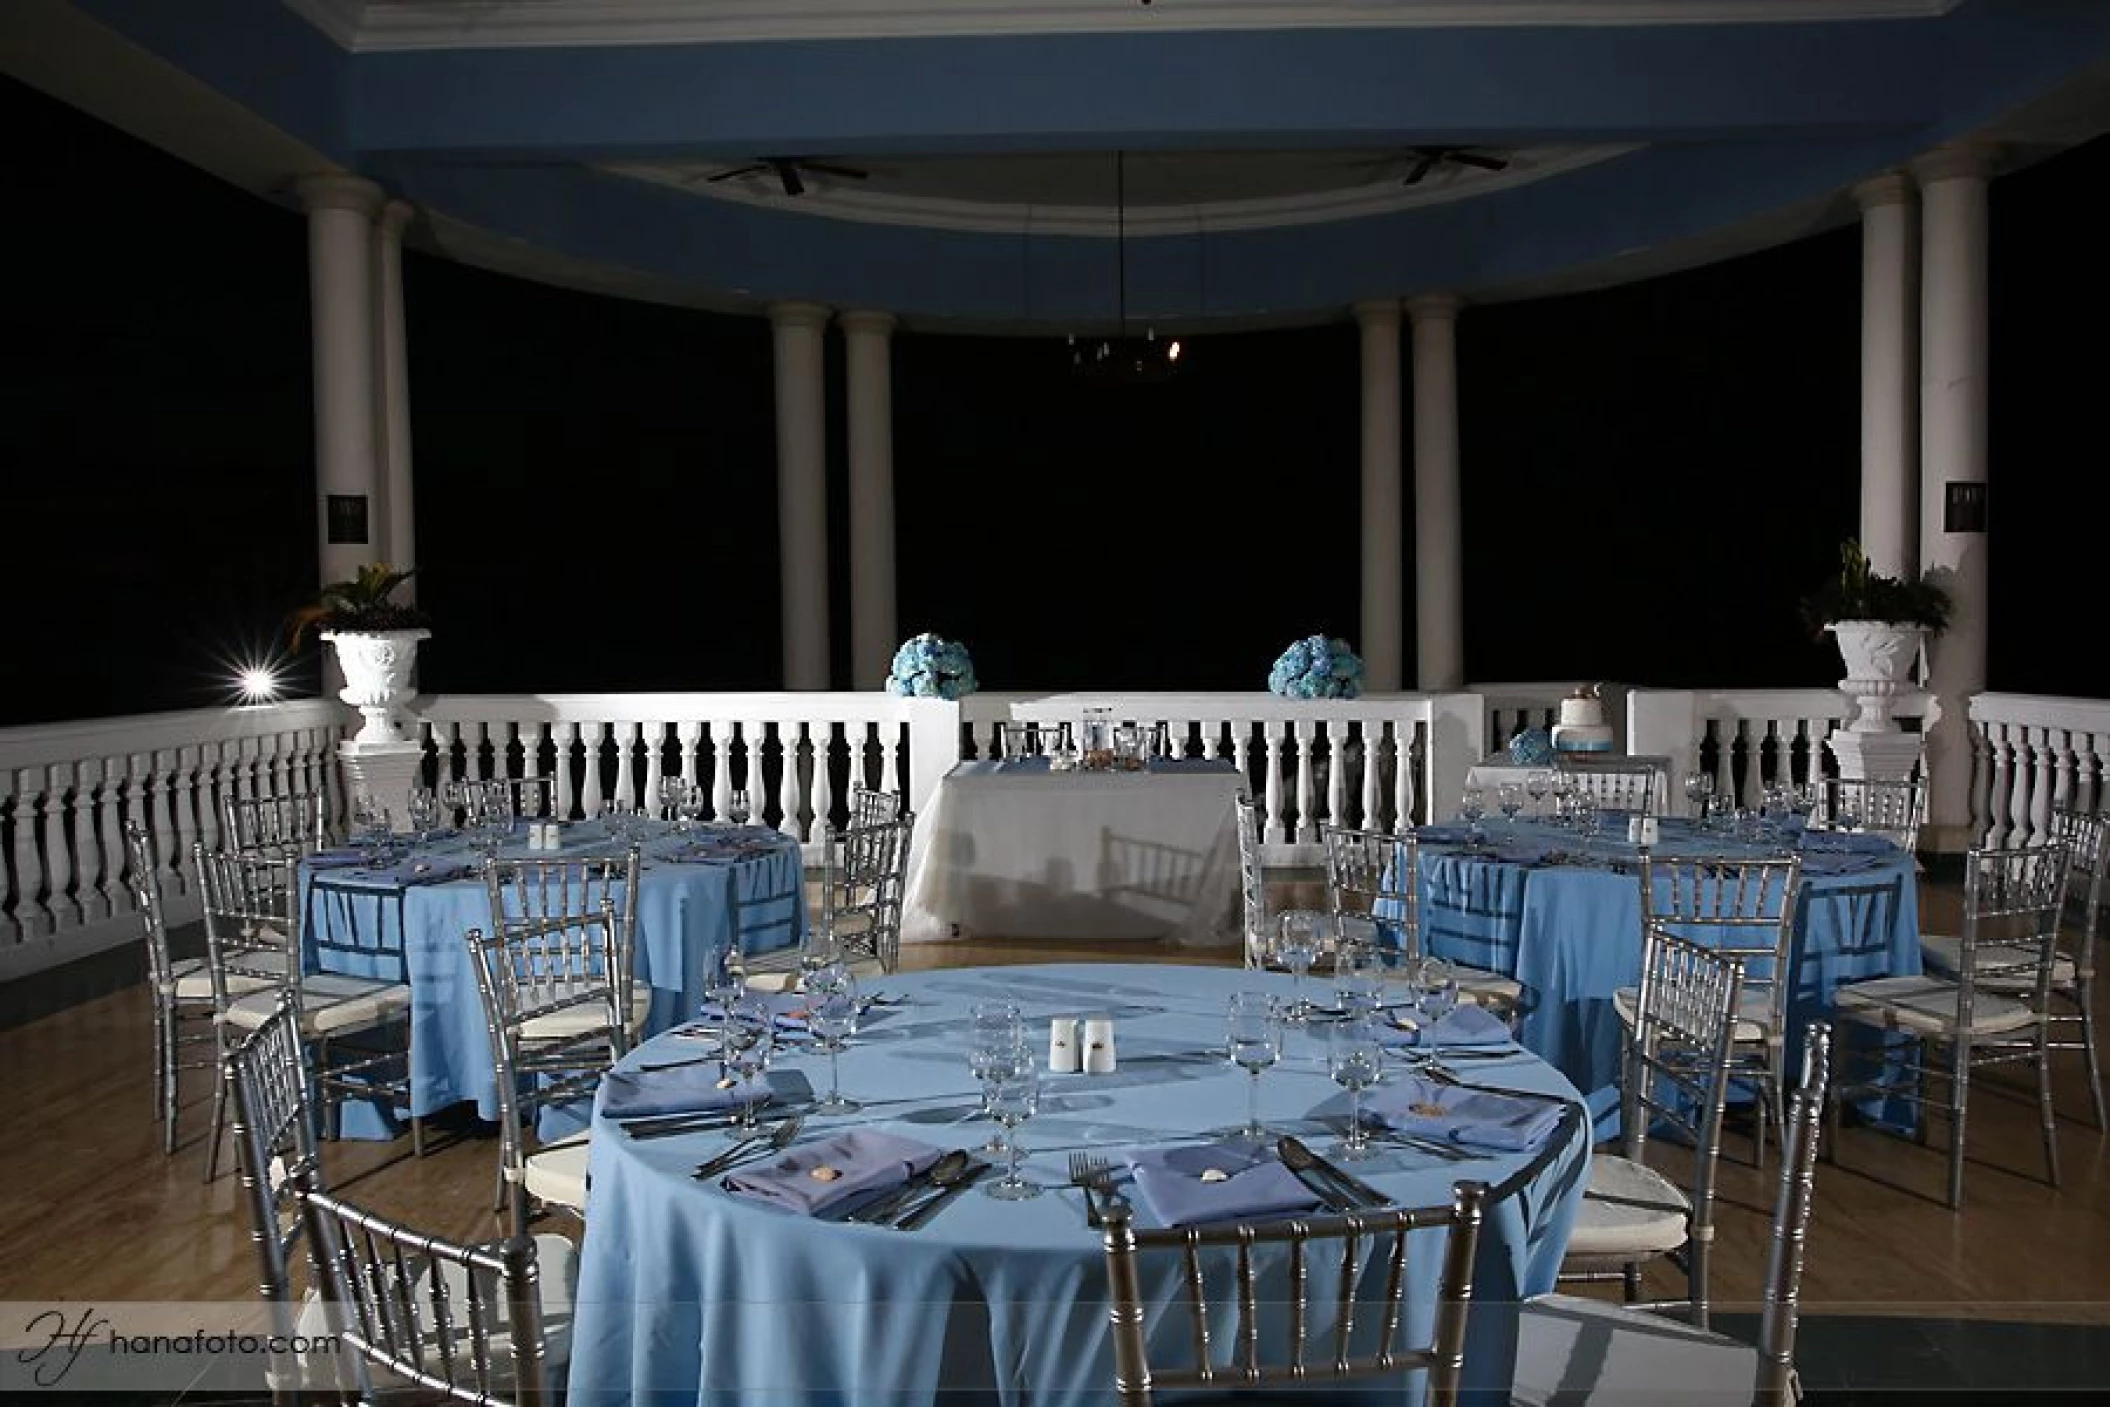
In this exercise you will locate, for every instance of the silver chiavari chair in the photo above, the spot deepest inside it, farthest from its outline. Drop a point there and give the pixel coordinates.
(1746, 907)
(864, 879)
(1574, 1351)
(556, 1017)
(1988, 1009)
(1615, 784)
(471, 1323)
(181, 988)
(531, 891)
(1252, 881)
(1377, 874)
(870, 806)
(1889, 808)
(293, 824)
(1303, 1323)
(1676, 1076)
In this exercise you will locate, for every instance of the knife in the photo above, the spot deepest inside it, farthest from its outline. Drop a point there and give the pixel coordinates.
(929, 1207)
(1294, 1151)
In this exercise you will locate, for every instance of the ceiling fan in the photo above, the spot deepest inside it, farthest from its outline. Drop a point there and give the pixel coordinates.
(788, 171)
(1427, 159)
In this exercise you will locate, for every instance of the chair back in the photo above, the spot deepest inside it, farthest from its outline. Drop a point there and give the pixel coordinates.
(1792, 1206)
(143, 878)
(532, 798)
(460, 1320)
(1316, 1300)
(871, 806)
(1892, 808)
(864, 876)
(533, 891)
(1743, 907)
(1615, 783)
(274, 1135)
(251, 900)
(1252, 881)
(2012, 903)
(1374, 873)
(293, 824)
(2087, 836)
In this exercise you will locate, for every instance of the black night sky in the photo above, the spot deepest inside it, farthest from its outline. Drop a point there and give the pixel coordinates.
(1653, 474)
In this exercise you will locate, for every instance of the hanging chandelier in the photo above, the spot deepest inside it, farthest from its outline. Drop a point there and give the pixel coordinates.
(1123, 358)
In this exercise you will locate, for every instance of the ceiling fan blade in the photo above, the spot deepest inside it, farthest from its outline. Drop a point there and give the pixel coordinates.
(735, 173)
(788, 174)
(1485, 163)
(846, 172)
(1421, 169)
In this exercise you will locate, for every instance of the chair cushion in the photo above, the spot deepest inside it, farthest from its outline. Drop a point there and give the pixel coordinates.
(1944, 953)
(329, 1003)
(1754, 1012)
(583, 1017)
(558, 1174)
(1629, 1209)
(1573, 1350)
(1928, 1004)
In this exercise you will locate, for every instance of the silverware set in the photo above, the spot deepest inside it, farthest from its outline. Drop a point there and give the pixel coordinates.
(753, 1146)
(920, 1198)
(1093, 1174)
(1339, 1189)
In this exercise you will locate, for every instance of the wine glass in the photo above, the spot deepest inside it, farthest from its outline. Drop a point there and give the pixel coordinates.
(454, 796)
(832, 1009)
(1564, 793)
(994, 1037)
(1014, 1097)
(1358, 979)
(1699, 790)
(1472, 805)
(1255, 1029)
(1432, 987)
(726, 982)
(672, 790)
(749, 1036)
(738, 807)
(1296, 948)
(424, 812)
(1537, 783)
(689, 809)
(1355, 1060)
(495, 815)
(1510, 797)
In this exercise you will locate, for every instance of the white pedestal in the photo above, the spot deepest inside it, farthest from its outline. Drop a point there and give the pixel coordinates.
(385, 771)
(1875, 756)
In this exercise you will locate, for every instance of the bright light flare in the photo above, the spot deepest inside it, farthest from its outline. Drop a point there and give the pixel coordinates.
(258, 683)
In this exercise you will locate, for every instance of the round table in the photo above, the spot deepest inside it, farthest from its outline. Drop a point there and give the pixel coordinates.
(689, 1294)
(370, 923)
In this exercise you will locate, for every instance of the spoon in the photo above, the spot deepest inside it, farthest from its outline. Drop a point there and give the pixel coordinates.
(956, 1181)
(882, 1208)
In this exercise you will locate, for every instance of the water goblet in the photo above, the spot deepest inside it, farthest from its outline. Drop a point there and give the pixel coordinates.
(1538, 782)
(1564, 793)
(1014, 1097)
(738, 807)
(424, 812)
(994, 1036)
(1358, 979)
(1254, 1026)
(672, 790)
(1699, 790)
(1510, 797)
(689, 809)
(832, 1009)
(1296, 948)
(1356, 1061)
(1432, 988)
(749, 1037)
(1472, 805)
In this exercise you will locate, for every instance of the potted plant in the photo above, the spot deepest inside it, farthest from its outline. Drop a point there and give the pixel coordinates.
(1881, 624)
(376, 642)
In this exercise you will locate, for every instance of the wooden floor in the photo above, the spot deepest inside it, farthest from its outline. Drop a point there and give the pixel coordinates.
(95, 1211)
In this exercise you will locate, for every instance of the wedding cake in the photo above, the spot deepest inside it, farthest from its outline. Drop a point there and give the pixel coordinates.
(1582, 727)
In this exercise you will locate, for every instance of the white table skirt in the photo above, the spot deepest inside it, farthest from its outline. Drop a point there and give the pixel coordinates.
(1006, 852)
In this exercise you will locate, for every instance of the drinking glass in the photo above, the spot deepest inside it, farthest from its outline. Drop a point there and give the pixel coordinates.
(1255, 1029)
(454, 795)
(994, 1037)
(738, 807)
(726, 982)
(1510, 797)
(820, 948)
(370, 819)
(1432, 987)
(1296, 948)
(689, 810)
(750, 1034)
(672, 791)
(1564, 793)
(1355, 1060)
(1699, 790)
(1358, 979)
(1472, 804)
(1537, 783)
(1014, 1097)
(424, 812)
(832, 1009)
(495, 813)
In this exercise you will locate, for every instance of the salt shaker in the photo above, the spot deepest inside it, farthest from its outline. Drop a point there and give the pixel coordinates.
(1062, 1046)
(1098, 1045)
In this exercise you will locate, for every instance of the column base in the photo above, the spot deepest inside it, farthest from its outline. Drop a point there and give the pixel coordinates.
(1871, 756)
(386, 771)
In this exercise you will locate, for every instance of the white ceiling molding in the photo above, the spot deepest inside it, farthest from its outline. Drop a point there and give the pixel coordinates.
(1383, 196)
(450, 24)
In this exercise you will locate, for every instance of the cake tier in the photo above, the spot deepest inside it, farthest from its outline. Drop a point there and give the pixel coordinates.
(1582, 713)
(1581, 738)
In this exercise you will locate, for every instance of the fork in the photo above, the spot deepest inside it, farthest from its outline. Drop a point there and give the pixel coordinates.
(1089, 1171)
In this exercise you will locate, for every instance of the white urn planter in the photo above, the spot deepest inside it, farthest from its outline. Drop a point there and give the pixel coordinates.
(1879, 655)
(377, 665)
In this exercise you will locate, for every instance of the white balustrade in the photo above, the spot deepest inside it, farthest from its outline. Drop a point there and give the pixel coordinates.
(67, 788)
(1511, 708)
(1746, 737)
(2031, 753)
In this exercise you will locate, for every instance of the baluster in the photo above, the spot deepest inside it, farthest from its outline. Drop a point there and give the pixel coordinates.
(716, 745)
(890, 757)
(2062, 741)
(2003, 785)
(2043, 780)
(454, 763)
(688, 737)
(2024, 785)
(1271, 736)
(1981, 784)
(32, 919)
(2089, 798)
(1370, 794)
(96, 837)
(822, 799)
(1336, 771)
(58, 846)
(212, 793)
(566, 738)
(1305, 730)
(789, 738)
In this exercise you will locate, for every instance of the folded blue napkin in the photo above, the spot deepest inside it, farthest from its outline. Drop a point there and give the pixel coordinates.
(1461, 1025)
(1443, 835)
(820, 1176)
(412, 869)
(687, 1089)
(1023, 764)
(788, 1007)
(1172, 1185)
(335, 859)
(1835, 862)
(1418, 1105)
(1863, 842)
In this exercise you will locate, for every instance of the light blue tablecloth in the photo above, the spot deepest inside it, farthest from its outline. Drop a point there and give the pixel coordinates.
(688, 1295)
(1571, 934)
(368, 926)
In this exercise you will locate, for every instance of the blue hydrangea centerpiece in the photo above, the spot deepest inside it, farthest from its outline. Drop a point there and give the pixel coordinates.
(930, 667)
(1317, 667)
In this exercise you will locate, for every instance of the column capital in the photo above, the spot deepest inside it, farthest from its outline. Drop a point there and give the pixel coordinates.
(336, 190)
(810, 316)
(1956, 161)
(1377, 312)
(868, 320)
(1432, 307)
(1890, 188)
(395, 217)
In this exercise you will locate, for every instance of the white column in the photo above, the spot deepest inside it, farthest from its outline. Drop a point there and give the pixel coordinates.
(802, 489)
(1383, 624)
(868, 366)
(1953, 326)
(341, 212)
(1890, 429)
(392, 411)
(1439, 589)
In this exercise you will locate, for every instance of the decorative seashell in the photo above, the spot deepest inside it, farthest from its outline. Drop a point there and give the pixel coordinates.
(1427, 1110)
(728, 1082)
(1215, 1175)
(825, 1174)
